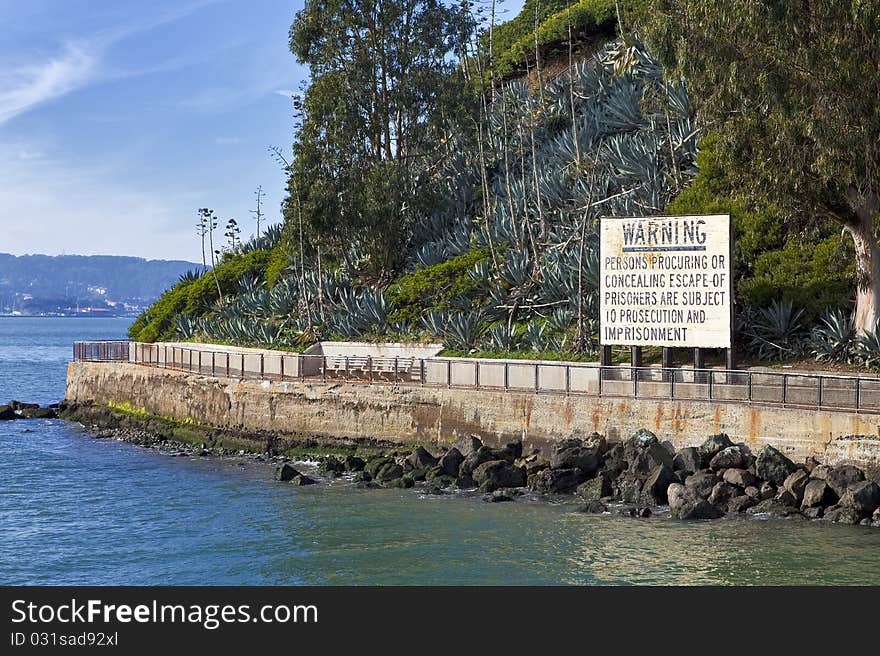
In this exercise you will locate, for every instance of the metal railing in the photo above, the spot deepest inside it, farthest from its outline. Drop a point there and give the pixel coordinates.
(785, 389)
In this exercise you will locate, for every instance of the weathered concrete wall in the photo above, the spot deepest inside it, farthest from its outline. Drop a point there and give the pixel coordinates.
(436, 415)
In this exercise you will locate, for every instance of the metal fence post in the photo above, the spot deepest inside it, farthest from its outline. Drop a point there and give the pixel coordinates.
(567, 380)
(506, 376)
(858, 393)
(346, 369)
(422, 370)
(672, 384)
(749, 388)
(242, 366)
(281, 366)
(449, 373)
(784, 388)
(477, 374)
(227, 364)
(370, 367)
(395, 370)
(262, 366)
(324, 368)
(635, 382)
(819, 404)
(711, 375)
(536, 378)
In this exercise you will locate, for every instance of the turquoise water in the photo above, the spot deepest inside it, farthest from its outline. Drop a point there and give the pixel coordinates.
(77, 510)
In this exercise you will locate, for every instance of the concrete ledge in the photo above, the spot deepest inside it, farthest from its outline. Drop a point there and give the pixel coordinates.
(437, 415)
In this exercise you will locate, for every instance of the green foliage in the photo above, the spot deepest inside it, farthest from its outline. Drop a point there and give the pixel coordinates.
(195, 297)
(279, 260)
(436, 287)
(811, 275)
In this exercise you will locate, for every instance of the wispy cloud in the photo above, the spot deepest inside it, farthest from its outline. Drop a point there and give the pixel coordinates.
(33, 84)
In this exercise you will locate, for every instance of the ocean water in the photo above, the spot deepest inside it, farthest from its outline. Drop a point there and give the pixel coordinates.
(80, 510)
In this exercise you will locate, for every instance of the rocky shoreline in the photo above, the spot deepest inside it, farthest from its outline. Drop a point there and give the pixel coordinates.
(639, 477)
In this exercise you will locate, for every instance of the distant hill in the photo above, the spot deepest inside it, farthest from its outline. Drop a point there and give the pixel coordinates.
(84, 284)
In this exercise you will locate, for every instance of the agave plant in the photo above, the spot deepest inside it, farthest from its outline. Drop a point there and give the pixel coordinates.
(867, 349)
(186, 326)
(536, 336)
(515, 270)
(833, 339)
(463, 330)
(777, 332)
(189, 276)
(502, 337)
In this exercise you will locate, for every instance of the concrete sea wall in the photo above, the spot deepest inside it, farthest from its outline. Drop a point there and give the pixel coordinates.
(438, 415)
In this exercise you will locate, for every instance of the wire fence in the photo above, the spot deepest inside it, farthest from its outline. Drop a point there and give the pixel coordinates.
(785, 389)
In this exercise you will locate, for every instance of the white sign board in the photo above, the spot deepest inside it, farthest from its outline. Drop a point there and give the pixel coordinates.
(665, 281)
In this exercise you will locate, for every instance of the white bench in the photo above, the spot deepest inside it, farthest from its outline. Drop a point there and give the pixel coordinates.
(365, 365)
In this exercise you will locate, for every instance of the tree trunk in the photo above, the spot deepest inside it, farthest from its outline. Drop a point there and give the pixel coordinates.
(867, 308)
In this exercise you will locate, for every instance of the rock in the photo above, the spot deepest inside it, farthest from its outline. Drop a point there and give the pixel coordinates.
(688, 459)
(839, 479)
(812, 513)
(772, 507)
(685, 504)
(722, 493)
(643, 512)
(353, 464)
(421, 459)
(786, 498)
(643, 460)
(796, 482)
(331, 465)
(406, 481)
(753, 492)
(477, 458)
(467, 445)
(614, 460)
(628, 488)
(18, 405)
(450, 462)
(376, 463)
(362, 477)
(863, 497)
(595, 488)
(464, 482)
(773, 466)
(368, 485)
(388, 472)
(498, 496)
(655, 486)
(713, 445)
(732, 456)
(593, 507)
(843, 515)
(38, 413)
(286, 473)
(302, 479)
(535, 466)
(820, 472)
(498, 473)
(767, 491)
(740, 504)
(7, 413)
(643, 438)
(596, 442)
(702, 482)
(557, 481)
(511, 451)
(810, 463)
(817, 493)
(575, 456)
(418, 475)
(742, 478)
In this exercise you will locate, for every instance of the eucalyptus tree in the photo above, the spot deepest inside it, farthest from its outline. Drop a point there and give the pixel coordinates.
(791, 90)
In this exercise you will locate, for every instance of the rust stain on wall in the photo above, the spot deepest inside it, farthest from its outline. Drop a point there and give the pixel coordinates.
(716, 420)
(658, 417)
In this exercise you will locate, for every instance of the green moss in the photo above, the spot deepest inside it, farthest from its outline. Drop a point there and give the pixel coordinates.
(435, 287)
(196, 297)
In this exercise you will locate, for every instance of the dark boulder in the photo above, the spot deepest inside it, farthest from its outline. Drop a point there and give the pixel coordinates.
(575, 456)
(614, 460)
(768, 491)
(713, 445)
(722, 493)
(702, 482)
(593, 507)
(498, 496)
(302, 479)
(732, 456)
(786, 498)
(534, 466)
(843, 515)
(38, 413)
(285, 473)
(863, 497)
(684, 503)
(421, 459)
(478, 457)
(642, 438)
(388, 472)
(839, 479)
(688, 459)
(628, 488)
(495, 474)
(753, 492)
(740, 504)
(643, 460)
(595, 488)
(772, 465)
(450, 462)
(820, 472)
(511, 451)
(376, 463)
(418, 475)
(406, 481)
(362, 477)
(467, 445)
(7, 413)
(655, 486)
(817, 493)
(596, 442)
(742, 478)
(353, 463)
(465, 482)
(331, 465)
(556, 481)
(18, 406)
(796, 483)
(815, 512)
(810, 463)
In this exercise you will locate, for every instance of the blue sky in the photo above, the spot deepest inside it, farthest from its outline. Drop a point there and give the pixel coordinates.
(118, 119)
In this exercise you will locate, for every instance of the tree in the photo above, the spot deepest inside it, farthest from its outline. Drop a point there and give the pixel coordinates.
(380, 70)
(258, 213)
(232, 233)
(791, 89)
(208, 219)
